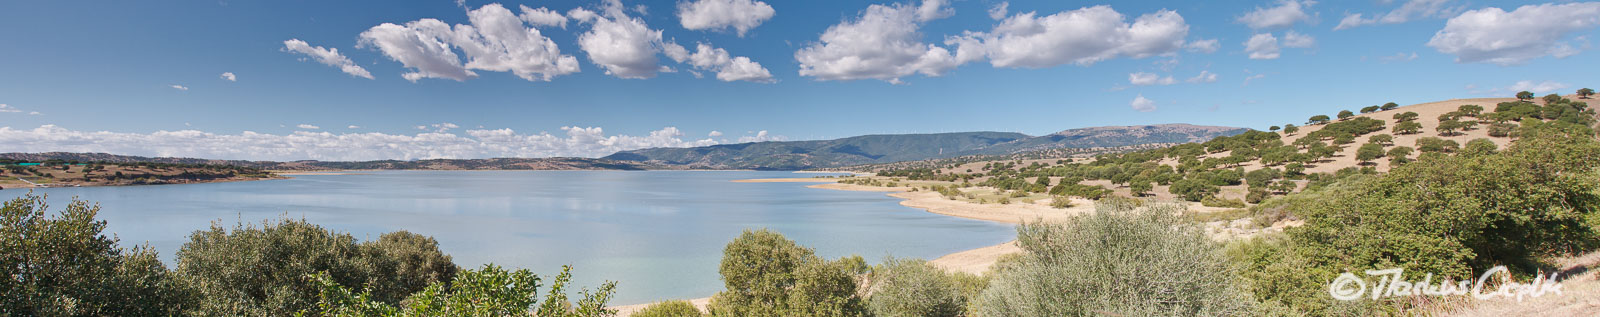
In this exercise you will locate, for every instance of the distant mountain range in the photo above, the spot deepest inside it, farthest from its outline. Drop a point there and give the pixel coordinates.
(554, 163)
(787, 155)
(872, 149)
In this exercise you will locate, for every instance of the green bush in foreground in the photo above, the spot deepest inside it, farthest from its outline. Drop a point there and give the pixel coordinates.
(913, 288)
(769, 275)
(261, 270)
(488, 291)
(64, 266)
(1120, 260)
(675, 308)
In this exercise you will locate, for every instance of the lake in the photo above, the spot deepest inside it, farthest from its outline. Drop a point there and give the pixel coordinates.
(659, 234)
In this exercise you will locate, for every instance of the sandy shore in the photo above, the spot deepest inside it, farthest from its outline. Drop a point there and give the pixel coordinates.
(788, 180)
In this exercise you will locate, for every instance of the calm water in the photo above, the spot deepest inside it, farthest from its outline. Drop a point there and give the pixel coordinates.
(659, 234)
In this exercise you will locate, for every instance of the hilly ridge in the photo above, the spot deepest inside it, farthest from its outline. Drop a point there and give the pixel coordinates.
(874, 149)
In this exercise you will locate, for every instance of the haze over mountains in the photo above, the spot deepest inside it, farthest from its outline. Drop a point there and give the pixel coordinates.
(784, 155)
(869, 149)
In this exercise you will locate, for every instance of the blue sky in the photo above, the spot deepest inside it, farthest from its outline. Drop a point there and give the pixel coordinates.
(104, 76)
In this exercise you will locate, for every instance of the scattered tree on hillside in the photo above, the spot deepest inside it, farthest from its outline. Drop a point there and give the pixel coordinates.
(1436, 145)
(1525, 95)
(1318, 119)
(1140, 188)
(1585, 93)
(1405, 116)
(1345, 114)
(1407, 127)
(1290, 128)
(1369, 152)
(1551, 99)
(1273, 128)
(1389, 106)
(1449, 127)
(1382, 139)
(1369, 109)
(1470, 110)
(1398, 155)
(1501, 130)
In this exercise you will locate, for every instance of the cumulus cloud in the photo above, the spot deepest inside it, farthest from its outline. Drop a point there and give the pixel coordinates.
(714, 134)
(5, 108)
(1412, 9)
(1203, 46)
(326, 56)
(179, 87)
(1297, 40)
(307, 126)
(495, 40)
(738, 15)
(1142, 104)
(1285, 14)
(626, 48)
(761, 136)
(1538, 88)
(353, 127)
(304, 145)
(1083, 37)
(999, 10)
(1262, 46)
(1147, 79)
(1203, 77)
(883, 43)
(1492, 35)
(229, 76)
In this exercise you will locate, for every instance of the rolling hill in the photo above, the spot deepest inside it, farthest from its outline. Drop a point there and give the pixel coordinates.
(873, 149)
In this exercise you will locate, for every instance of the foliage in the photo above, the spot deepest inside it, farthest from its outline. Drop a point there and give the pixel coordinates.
(487, 291)
(64, 266)
(676, 308)
(911, 288)
(1389, 106)
(1214, 201)
(1345, 114)
(1432, 144)
(1120, 260)
(1369, 152)
(769, 275)
(261, 270)
(1193, 189)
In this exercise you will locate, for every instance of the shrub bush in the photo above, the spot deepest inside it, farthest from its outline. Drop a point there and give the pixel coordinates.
(1119, 260)
(913, 288)
(676, 308)
(769, 275)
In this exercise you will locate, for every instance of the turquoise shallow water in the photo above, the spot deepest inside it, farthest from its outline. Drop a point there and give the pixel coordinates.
(659, 234)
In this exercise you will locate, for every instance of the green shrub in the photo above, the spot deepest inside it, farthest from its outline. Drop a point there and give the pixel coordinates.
(1117, 261)
(261, 270)
(676, 308)
(913, 288)
(1060, 202)
(65, 266)
(769, 275)
(488, 291)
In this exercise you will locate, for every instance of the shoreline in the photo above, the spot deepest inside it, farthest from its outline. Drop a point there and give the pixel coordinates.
(973, 261)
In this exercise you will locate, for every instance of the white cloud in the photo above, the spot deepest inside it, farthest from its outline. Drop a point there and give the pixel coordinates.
(624, 46)
(1285, 14)
(326, 56)
(543, 17)
(353, 127)
(1083, 37)
(1147, 79)
(999, 10)
(1297, 40)
(1538, 88)
(1495, 36)
(307, 126)
(1247, 79)
(1142, 104)
(727, 67)
(1203, 77)
(1203, 46)
(179, 87)
(495, 40)
(1262, 46)
(1398, 57)
(327, 146)
(739, 15)
(34, 113)
(883, 43)
(714, 134)
(1412, 9)
(5, 108)
(761, 136)
(229, 76)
